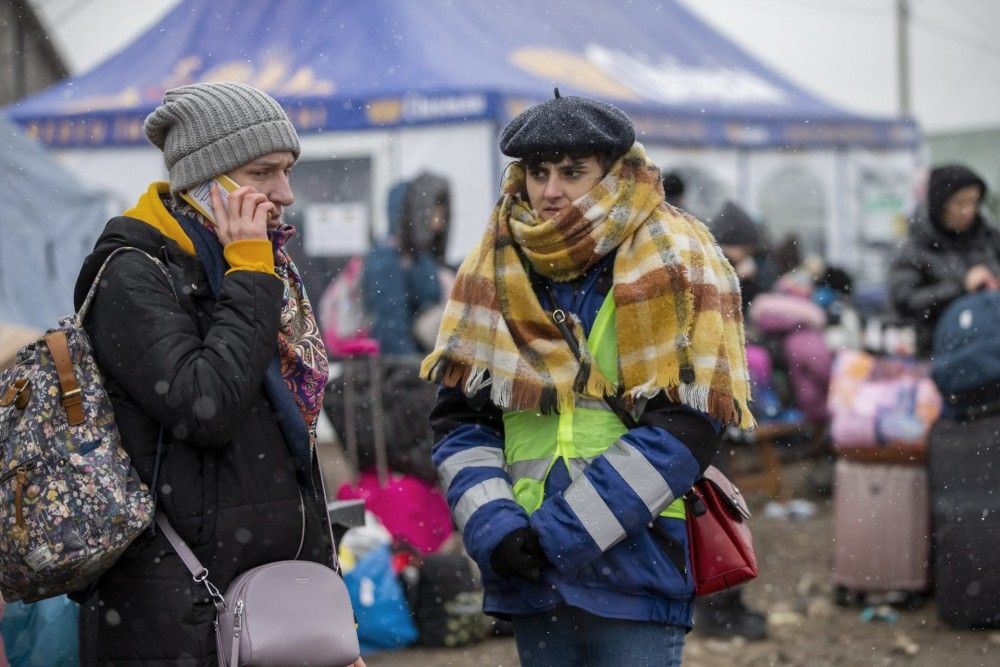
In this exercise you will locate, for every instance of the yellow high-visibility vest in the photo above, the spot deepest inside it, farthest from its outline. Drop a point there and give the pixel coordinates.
(534, 443)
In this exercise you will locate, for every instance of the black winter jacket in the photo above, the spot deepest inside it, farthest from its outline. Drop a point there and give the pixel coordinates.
(226, 480)
(928, 272)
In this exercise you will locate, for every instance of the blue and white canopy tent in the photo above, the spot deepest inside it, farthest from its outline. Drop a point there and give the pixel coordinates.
(383, 89)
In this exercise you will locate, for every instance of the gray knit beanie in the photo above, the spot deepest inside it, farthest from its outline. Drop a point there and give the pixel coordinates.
(207, 129)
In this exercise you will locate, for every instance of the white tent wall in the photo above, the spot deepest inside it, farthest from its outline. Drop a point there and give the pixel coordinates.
(795, 192)
(880, 192)
(375, 146)
(122, 173)
(712, 175)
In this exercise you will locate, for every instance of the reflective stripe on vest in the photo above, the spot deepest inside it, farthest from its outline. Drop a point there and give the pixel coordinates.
(533, 443)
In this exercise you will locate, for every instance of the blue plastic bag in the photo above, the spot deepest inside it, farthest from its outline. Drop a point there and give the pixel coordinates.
(42, 634)
(384, 620)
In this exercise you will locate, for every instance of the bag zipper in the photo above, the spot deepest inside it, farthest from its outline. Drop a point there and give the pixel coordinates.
(26, 465)
(238, 618)
(20, 473)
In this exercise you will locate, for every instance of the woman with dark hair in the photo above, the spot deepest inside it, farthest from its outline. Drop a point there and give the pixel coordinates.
(585, 285)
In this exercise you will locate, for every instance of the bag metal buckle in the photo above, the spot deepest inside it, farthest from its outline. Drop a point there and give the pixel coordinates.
(213, 592)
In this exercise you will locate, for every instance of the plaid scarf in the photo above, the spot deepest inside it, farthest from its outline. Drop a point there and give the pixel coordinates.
(677, 299)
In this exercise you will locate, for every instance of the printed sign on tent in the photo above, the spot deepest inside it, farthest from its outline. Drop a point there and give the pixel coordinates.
(333, 230)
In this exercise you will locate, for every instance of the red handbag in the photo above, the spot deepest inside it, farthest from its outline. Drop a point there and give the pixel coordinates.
(719, 538)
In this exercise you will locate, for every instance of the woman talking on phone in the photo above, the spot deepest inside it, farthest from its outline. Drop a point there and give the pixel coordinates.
(216, 373)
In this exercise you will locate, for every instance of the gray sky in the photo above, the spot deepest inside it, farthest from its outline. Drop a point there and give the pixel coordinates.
(841, 50)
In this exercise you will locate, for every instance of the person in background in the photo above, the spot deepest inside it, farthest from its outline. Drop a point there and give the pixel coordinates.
(673, 189)
(740, 239)
(405, 279)
(576, 521)
(216, 371)
(951, 250)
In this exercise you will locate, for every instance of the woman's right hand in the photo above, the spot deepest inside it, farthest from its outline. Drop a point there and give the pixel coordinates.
(243, 217)
(980, 277)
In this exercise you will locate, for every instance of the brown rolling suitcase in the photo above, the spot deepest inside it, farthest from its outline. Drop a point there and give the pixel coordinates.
(881, 530)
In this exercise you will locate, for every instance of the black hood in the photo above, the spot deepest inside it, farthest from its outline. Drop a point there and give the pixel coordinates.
(422, 195)
(945, 181)
(925, 233)
(733, 226)
(119, 233)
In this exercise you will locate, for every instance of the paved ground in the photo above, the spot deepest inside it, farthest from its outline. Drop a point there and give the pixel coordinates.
(806, 628)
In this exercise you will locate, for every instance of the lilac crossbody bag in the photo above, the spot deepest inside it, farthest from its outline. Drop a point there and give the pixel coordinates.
(290, 612)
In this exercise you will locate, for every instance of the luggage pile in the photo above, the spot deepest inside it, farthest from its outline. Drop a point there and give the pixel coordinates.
(409, 577)
(882, 409)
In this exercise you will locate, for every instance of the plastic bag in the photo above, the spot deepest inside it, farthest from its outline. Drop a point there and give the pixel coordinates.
(384, 620)
(42, 634)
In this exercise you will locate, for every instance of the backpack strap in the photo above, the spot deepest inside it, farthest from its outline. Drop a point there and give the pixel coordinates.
(85, 306)
(72, 395)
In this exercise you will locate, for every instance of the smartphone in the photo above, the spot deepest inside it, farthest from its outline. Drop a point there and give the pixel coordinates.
(200, 196)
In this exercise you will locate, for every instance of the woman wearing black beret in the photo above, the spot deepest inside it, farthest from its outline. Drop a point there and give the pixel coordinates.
(585, 285)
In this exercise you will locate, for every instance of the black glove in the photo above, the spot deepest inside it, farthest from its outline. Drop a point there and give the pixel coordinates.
(520, 554)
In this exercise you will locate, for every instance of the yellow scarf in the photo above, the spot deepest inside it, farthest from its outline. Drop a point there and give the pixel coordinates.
(677, 299)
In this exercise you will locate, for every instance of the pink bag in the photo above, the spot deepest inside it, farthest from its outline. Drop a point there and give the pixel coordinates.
(809, 363)
(759, 364)
(412, 510)
(774, 313)
(877, 401)
(342, 314)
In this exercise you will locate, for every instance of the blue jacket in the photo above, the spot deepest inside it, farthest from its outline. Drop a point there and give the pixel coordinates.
(396, 287)
(640, 578)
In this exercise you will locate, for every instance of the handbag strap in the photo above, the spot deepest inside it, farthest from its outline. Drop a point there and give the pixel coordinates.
(614, 401)
(560, 318)
(329, 523)
(198, 571)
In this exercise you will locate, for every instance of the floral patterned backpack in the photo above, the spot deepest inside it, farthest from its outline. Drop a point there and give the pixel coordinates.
(70, 501)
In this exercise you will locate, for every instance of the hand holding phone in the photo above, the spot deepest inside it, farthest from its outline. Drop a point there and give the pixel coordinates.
(235, 211)
(243, 216)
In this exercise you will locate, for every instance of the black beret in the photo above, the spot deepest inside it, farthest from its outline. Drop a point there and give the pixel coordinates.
(571, 125)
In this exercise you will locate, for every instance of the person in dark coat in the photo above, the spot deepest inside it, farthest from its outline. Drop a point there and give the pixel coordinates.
(402, 275)
(673, 189)
(951, 250)
(740, 239)
(216, 370)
